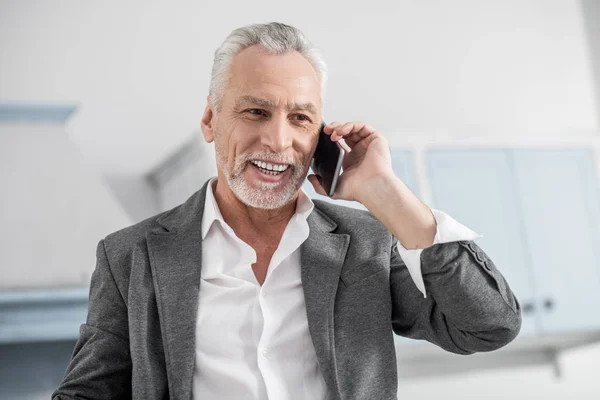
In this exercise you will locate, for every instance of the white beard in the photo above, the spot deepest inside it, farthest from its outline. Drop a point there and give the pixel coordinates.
(258, 194)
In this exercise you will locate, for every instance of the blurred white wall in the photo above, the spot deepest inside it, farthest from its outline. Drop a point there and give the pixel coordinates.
(140, 72)
(591, 15)
(579, 381)
(184, 172)
(54, 209)
(140, 69)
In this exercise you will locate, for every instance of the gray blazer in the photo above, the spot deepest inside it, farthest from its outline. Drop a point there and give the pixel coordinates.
(138, 340)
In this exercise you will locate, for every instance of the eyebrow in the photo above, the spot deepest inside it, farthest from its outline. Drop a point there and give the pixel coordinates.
(257, 101)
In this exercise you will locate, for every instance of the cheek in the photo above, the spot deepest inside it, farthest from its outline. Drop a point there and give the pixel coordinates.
(307, 148)
(303, 158)
(222, 147)
(239, 145)
(224, 151)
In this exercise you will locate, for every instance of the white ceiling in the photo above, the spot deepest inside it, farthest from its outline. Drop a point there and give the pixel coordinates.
(139, 70)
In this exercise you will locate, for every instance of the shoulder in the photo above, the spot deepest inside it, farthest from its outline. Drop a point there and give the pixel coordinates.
(127, 248)
(369, 239)
(352, 221)
(189, 213)
(123, 242)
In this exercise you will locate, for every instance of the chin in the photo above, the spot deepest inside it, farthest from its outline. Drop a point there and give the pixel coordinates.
(264, 198)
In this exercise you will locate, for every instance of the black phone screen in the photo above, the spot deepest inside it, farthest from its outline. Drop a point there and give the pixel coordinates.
(327, 161)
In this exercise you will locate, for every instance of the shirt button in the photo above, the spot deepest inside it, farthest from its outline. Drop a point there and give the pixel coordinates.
(265, 352)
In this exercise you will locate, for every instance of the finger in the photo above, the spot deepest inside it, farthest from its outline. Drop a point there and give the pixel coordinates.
(346, 148)
(342, 130)
(352, 140)
(365, 131)
(360, 131)
(351, 128)
(314, 180)
(330, 127)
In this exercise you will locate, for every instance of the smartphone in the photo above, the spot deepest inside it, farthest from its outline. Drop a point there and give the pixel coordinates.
(327, 161)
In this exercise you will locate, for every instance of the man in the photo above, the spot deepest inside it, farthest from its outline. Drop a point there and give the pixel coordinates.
(250, 290)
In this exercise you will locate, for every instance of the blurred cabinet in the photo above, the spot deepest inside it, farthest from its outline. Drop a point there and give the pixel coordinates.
(559, 198)
(403, 163)
(538, 213)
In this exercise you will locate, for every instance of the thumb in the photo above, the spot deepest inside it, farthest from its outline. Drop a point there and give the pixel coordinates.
(315, 180)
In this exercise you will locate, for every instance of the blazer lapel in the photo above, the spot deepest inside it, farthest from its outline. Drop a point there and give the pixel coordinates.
(322, 257)
(175, 260)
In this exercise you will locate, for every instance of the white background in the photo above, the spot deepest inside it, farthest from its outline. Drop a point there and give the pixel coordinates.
(139, 72)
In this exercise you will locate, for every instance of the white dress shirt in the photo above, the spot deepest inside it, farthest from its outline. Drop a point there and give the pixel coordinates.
(252, 341)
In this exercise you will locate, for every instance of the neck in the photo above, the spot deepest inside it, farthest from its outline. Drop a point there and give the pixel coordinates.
(245, 220)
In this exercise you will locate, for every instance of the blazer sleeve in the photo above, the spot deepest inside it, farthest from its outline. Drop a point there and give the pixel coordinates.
(469, 306)
(100, 367)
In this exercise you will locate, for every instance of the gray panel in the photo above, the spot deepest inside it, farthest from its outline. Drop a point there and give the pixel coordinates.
(42, 315)
(51, 113)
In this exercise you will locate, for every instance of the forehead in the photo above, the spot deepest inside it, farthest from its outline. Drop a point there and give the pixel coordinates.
(257, 72)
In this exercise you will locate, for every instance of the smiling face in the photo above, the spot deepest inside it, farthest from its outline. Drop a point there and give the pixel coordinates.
(267, 128)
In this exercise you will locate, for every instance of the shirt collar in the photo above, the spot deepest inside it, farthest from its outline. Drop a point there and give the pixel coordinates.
(304, 206)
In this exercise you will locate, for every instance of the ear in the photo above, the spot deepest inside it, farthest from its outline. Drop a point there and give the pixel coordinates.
(208, 122)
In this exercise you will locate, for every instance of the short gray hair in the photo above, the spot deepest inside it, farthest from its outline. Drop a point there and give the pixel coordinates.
(276, 38)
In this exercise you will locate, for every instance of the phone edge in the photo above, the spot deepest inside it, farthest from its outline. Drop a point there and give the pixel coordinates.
(338, 167)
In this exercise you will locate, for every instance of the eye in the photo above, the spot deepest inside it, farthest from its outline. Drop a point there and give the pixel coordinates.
(256, 111)
(301, 117)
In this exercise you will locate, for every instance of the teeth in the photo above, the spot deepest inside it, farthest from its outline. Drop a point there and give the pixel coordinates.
(269, 166)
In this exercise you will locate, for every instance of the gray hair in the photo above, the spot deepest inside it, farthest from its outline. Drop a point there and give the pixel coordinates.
(276, 38)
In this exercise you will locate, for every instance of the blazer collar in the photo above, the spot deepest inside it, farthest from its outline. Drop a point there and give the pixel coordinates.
(175, 254)
(322, 257)
(187, 217)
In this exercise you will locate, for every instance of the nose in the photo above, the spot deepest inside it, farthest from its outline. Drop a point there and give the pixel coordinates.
(277, 135)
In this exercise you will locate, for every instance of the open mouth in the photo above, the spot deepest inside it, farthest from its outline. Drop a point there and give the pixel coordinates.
(270, 168)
